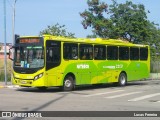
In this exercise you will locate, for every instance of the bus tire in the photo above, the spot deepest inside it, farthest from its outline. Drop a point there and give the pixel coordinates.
(122, 80)
(68, 83)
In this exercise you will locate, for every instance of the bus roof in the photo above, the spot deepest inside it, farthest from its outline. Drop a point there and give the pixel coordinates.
(90, 40)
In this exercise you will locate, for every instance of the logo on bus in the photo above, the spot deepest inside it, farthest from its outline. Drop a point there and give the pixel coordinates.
(83, 66)
(114, 67)
(119, 66)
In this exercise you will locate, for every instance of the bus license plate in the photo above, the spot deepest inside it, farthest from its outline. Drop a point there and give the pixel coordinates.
(23, 82)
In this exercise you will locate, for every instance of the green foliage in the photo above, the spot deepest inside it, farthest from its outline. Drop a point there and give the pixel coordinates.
(57, 30)
(155, 66)
(9, 65)
(130, 20)
(2, 77)
(94, 17)
(126, 21)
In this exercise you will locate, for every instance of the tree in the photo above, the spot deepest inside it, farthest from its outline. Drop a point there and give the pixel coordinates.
(155, 43)
(130, 21)
(126, 21)
(57, 30)
(93, 17)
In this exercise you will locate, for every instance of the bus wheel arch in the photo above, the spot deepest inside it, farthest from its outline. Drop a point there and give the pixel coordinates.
(69, 82)
(122, 80)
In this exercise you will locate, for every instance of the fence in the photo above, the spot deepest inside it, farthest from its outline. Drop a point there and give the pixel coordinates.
(155, 66)
(155, 70)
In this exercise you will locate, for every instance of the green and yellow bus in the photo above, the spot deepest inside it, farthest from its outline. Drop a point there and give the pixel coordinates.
(49, 61)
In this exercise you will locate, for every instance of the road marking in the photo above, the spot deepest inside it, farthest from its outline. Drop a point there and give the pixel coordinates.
(10, 86)
(121, 95)
(103, 93)
(145, 97)
(13, 86)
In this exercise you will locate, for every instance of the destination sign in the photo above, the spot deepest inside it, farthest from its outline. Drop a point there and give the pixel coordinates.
(29, 40)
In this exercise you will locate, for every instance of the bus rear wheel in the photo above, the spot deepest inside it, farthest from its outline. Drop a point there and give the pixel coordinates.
(122, 80)
(68, 83)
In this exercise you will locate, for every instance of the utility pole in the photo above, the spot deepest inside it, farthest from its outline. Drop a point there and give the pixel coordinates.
(13, 27)
(5, 50)
(13, 21)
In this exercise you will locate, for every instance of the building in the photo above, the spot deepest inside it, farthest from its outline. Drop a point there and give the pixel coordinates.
(2, 49)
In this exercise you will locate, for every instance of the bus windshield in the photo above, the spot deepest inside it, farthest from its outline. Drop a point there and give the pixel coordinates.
(29, 57)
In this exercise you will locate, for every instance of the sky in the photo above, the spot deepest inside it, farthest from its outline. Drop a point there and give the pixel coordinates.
(33, 16)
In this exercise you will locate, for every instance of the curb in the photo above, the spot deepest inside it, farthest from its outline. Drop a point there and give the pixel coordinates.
(9, 86)
(2, 86)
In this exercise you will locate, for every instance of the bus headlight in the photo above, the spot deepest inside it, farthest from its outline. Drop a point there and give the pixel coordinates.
(38, 76)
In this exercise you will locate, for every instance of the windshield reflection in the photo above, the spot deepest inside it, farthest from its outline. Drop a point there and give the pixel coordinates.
(29, 57)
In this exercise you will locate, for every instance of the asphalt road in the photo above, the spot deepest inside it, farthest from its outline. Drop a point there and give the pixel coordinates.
(136, 96)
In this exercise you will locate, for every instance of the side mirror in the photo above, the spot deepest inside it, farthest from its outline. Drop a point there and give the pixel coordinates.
(11, 53)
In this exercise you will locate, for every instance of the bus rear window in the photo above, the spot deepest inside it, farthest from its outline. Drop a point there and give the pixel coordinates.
(134, 53)
(143, 53)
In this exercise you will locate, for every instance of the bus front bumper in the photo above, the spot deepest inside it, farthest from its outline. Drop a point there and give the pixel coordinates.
(39, 82)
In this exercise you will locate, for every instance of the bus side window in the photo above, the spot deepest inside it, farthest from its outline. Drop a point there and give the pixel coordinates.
(134, 53)
(123, 53)
(99, 52)
(86, 52)
(70, 51)
(144, 53)
(112, 52)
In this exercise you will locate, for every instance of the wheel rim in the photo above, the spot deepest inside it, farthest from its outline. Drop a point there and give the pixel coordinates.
(123, 80)
(67, 83)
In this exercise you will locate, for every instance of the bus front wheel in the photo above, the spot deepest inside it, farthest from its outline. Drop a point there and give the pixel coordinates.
(122, 81)
(68, 84)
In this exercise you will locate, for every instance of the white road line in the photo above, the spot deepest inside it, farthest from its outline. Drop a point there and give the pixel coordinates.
(103, 93)
(145, 97)
(121, 95)
(11, 86)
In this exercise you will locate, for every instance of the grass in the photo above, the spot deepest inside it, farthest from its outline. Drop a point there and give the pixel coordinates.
(2, 70)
